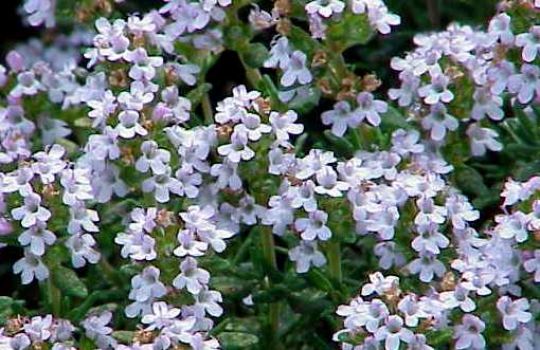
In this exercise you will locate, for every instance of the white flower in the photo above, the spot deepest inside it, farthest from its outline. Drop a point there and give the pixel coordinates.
(50, 163)
(500, 26)
(39, 329)
(284, 124)
(525, 84)
(163, 184)
(437, 91)
(369, 108)
(329, 184)
(279, 54)
(513, 312)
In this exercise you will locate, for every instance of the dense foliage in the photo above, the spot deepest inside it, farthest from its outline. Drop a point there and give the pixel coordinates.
(235, 174)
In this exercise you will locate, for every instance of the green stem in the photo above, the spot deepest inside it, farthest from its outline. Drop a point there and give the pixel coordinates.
(334, 260)
(253, 75)
(207, 109)
(268, 248)
(55, 298)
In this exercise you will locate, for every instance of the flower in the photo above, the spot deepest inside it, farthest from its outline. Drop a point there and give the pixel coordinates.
(380, 284)
(393, 333)
(530, 42)
(30, 267)
(162, 316)
(314, 226)
(81, 247)
(37, 237)
(427, 265)
(296, 70)
(31, 211)
(438, 121)
(325, 8)
(513, 312)
(96, 328)
(483, 139)
(469, 333)
(436, 92)
(191, 276)
(162, 184)
(526, 83)
(238, 149)
(369, 108)
(305, 255)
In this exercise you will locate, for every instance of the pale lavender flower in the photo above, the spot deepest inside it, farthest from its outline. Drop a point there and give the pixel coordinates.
(460, 211)
(513, 226)
(388, 255)
(37, 237)
(189, 245)
(284, 124)
(314, 227)
(533, 265)
(513, 312)
(530, 42)
(429, 239)
(18, 181)
(438, 121)
(306, 255)
(501, 27)
(39, 329)
(369, 108)
(129, 126)
(137, 245)
(411, 309)
(408, 90)
(279, 54)
(458, 297)
(469, 333)
(406, 142)
(102, 108)
(303, 196)
(380, 284)
(340, 118)
(162, 316)
(82, 219)
(483, 139)
(437, 91)
(487, 104)
(40, 12)
(393, 333)
(238, 149)
(380, 18)
(136, 98)
(296, 70)
(191, 276)
(143, 67)
(81, 247)
(163, 184)
(153, 157)
(325, 8)
(328, 183)
(525, 84)
(96, 328)
(49, 163)
(30, 267)
(427, 265)
(31, 211)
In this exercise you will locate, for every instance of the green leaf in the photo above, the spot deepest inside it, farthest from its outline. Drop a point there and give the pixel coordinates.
(350, 30)
(68, 282)
(393, 120)
(255, 55)
(238, 341)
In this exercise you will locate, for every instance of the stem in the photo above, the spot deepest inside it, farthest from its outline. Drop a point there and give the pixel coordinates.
(207, 109)
(55, 298)
(253, 75)
(268, 248)
(334, 260)
(433, 13)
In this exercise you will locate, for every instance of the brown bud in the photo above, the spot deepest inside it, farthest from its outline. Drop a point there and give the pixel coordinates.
(127, 155)
(104, 6)
(263, 105)
(319, 59)
(14, 325)
(454, 72)
(144, 337)
(138, 41)
(82, 14)
(425, 325)
(448, 282)
(49, 191)
(370, 82)
(324, 86)
(224, 131)
(118, 78)
(537, 235)
(283, 26)
(282, 7)
(171, 77)
(164, 218)
(39, 346)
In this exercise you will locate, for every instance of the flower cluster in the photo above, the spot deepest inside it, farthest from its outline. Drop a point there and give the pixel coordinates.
(151, 212)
